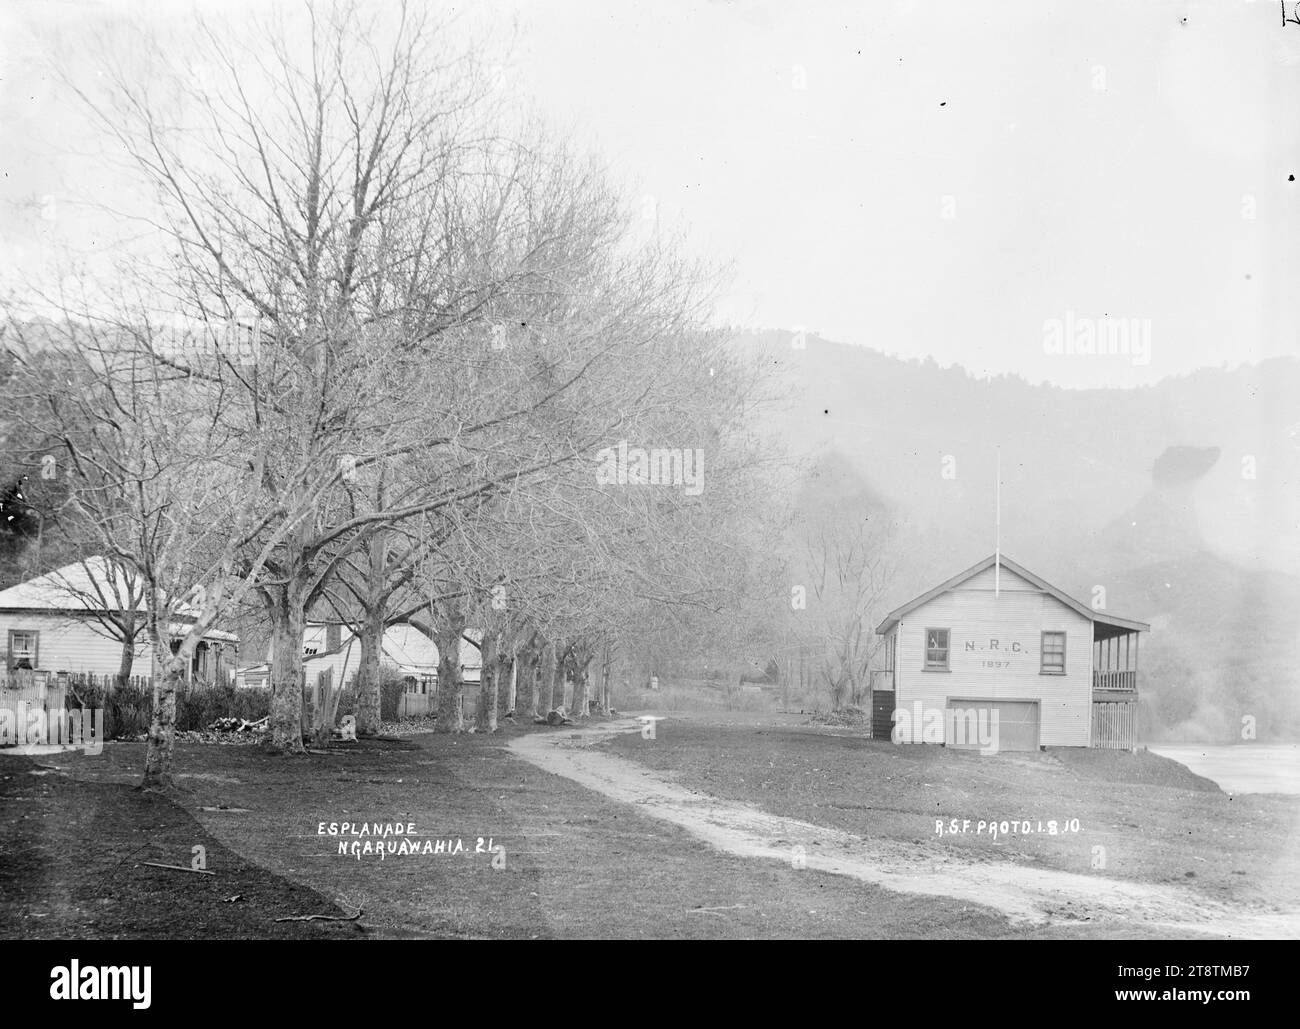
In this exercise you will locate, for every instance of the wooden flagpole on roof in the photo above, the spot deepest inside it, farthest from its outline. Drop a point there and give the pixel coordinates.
(997, 529)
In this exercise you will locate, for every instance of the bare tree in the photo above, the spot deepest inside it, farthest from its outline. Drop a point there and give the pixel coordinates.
(342, 201)
(151, 481)
(848, 574)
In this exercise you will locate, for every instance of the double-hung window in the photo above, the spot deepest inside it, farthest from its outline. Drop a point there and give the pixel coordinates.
(24, 643)
(1053, 651)
(936, 650)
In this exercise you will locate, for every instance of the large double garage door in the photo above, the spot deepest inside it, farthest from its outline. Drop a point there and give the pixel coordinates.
(970, 720)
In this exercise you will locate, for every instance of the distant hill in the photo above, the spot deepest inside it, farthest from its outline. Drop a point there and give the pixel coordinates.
(1223, 647)
(1182, 499)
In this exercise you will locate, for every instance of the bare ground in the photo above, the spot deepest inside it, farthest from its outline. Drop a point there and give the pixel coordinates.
(1041, 896)
(690, 835)
(577, 864)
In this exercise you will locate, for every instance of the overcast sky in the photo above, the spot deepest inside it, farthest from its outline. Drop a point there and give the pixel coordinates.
(923, 178)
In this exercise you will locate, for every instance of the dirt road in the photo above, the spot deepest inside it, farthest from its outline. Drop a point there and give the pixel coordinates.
(1021, 892)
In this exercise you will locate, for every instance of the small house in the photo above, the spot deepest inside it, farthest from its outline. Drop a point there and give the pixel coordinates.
(332, 646)
(997, 659)
(70, 620)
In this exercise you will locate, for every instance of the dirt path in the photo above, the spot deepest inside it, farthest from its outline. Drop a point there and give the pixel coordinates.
(1022, 893)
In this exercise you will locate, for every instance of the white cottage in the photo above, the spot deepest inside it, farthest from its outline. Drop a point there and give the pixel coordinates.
(333, 647)
(66, 621)
(998, 659)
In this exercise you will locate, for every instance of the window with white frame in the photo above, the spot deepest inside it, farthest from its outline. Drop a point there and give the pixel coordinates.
(1053, 650)
(24, 644)
(936, 649)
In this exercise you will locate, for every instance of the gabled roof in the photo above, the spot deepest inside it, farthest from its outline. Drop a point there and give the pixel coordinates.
(220, 635)
(79, 585)
(94, 585)
(471, 636)
(893, 617)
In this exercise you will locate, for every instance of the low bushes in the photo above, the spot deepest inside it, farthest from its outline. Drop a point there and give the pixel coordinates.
(128, 709)
(391, 687)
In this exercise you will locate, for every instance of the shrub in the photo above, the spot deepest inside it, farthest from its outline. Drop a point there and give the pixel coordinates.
(348, 699)
(200, 706)
(128, 709)
(391, 687)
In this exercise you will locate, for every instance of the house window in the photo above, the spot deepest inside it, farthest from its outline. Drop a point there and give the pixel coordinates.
(1053, 651)
(936, 649)
(24, 644)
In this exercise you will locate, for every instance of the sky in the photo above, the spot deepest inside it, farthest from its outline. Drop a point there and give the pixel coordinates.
(981, 184)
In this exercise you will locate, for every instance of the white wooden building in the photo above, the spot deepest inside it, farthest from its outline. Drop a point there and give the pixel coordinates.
(56, 623)
(998, 646)
(333, 647)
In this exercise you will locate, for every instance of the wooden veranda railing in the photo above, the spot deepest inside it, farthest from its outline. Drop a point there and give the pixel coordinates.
(1115, 679)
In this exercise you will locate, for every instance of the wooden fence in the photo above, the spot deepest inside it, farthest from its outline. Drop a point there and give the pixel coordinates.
(33, 688)
(320, 703)
(1114, 725)
(23, 693)
(415, 705)
(70, 682)
(80, 682)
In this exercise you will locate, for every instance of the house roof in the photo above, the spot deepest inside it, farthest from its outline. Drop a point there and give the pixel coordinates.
(1105, 621)
(471, 636)
(181, 628)
(396, 649)
(408, 652)
(93, 585)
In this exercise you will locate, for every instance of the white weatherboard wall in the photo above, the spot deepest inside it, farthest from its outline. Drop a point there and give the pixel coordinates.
(1015, 619)
(70, 644)
(404, 646)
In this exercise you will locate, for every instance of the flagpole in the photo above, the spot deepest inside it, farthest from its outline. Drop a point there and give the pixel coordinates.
(997, 529)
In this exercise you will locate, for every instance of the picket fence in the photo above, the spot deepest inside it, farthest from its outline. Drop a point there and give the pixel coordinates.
(1114, 725)
(23, 693)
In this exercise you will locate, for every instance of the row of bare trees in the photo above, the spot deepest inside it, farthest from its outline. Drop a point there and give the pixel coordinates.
(362, 354)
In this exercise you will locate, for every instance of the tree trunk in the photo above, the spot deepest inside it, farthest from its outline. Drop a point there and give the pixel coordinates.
(323, 715)
(369, 702)
(286, 671)
(606, 704)
(159, 747)
(579, 706)
(545, 681)
(450, 687)
(485, 718)
(368, 675)
(526, 685)
(557, 679)
(126, 662)
(505, 683)
(505, 661)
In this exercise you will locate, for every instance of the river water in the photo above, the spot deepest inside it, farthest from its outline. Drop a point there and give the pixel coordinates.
(1241, 767)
